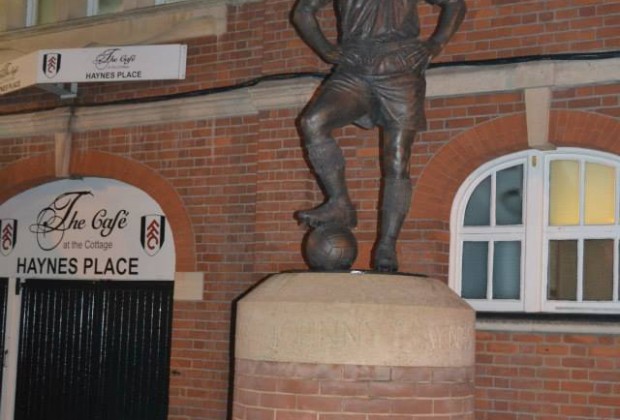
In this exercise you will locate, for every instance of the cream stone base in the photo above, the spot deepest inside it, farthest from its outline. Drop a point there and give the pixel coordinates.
(355, 318)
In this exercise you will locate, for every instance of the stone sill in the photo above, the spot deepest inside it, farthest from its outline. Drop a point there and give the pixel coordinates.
(287, 94)
(549, 323)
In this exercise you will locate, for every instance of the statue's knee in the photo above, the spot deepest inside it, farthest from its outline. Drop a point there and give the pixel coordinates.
(311, 125)
(396, 164)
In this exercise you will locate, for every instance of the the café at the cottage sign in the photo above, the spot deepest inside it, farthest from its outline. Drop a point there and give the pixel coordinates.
(103, 64)
(92, 228)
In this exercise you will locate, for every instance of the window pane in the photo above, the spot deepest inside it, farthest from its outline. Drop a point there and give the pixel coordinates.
(564, 193)
(475, 262)
(45, 11)
(478, 211)
(110, 6)
(598, 269)
(562, 270)
(509, 196)
(507, 270)
(600, 194)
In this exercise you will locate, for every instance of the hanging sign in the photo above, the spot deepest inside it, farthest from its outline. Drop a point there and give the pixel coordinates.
(106, 64)
(92, 228)
(18, 74)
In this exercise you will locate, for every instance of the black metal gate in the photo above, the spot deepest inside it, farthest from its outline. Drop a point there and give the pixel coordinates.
(94, 350)
(4, 288)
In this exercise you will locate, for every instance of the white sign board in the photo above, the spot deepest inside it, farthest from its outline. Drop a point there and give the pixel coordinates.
(18, 74)
(92, 228)
(106, 64)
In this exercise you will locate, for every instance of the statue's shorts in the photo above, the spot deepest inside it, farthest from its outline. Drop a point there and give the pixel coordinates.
(393, 100)
(389, 76)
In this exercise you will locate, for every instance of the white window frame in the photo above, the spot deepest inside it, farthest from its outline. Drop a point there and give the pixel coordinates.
(92, 7)
(481, 233)
(32, 11)
(534, 233)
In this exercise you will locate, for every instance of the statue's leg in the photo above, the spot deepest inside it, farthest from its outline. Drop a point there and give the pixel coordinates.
(328, 164)
(396, 198)
(332, 108)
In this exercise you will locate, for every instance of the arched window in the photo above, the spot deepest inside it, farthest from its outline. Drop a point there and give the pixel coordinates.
(539, 231)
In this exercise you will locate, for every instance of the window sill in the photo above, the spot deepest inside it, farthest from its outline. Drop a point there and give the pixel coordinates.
(149, 25)
(549, 323)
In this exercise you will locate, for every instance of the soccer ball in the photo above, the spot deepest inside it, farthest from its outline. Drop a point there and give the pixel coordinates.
(330, 248)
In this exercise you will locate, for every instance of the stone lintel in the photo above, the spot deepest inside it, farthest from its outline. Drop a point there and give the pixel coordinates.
(536, 78)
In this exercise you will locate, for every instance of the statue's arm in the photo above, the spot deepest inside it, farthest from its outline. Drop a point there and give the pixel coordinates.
(450, 18)
(304, 19)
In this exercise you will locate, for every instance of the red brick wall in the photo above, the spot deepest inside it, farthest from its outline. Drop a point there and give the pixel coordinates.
(237, 180)
(547, 376)
(504, 28)
(302, 391)
(15, 149)
(213, 167)
(260, 40)
(603, 99)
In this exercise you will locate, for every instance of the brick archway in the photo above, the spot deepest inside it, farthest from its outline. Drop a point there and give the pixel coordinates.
(445, 173)
(27, 173)
(443, 176)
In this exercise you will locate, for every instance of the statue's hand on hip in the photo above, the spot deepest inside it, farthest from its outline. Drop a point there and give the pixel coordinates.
(421, 56)
(334, 56)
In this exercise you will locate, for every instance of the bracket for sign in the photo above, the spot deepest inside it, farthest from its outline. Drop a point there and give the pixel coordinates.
(18, 286)
(63, 90)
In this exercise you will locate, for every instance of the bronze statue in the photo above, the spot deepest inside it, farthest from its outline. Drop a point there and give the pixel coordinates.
(378, 80)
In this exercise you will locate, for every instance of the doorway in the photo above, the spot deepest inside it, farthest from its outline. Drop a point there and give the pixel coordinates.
(88, 267)
(93, 350)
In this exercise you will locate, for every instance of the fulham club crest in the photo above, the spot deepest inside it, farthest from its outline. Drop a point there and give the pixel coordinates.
(8, 235)
(152, 233)
(51, 64)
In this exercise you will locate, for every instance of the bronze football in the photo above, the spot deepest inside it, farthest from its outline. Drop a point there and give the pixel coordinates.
(330, 248)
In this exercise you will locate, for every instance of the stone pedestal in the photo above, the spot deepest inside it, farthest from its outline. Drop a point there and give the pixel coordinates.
(328, 346)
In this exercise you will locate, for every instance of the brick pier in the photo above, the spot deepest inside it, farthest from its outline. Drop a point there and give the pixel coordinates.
(345, 347)
(304, 391)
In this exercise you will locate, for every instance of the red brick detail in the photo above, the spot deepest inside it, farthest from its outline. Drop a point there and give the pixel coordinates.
(444, 174)
(25, 173)
(279, 391)
(602, 99)
(584, 129)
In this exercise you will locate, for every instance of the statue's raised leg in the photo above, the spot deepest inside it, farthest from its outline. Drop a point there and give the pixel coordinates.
(328, 163)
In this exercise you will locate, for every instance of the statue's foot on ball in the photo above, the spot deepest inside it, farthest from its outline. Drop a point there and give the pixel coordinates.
(385, 259)
(333, 212)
